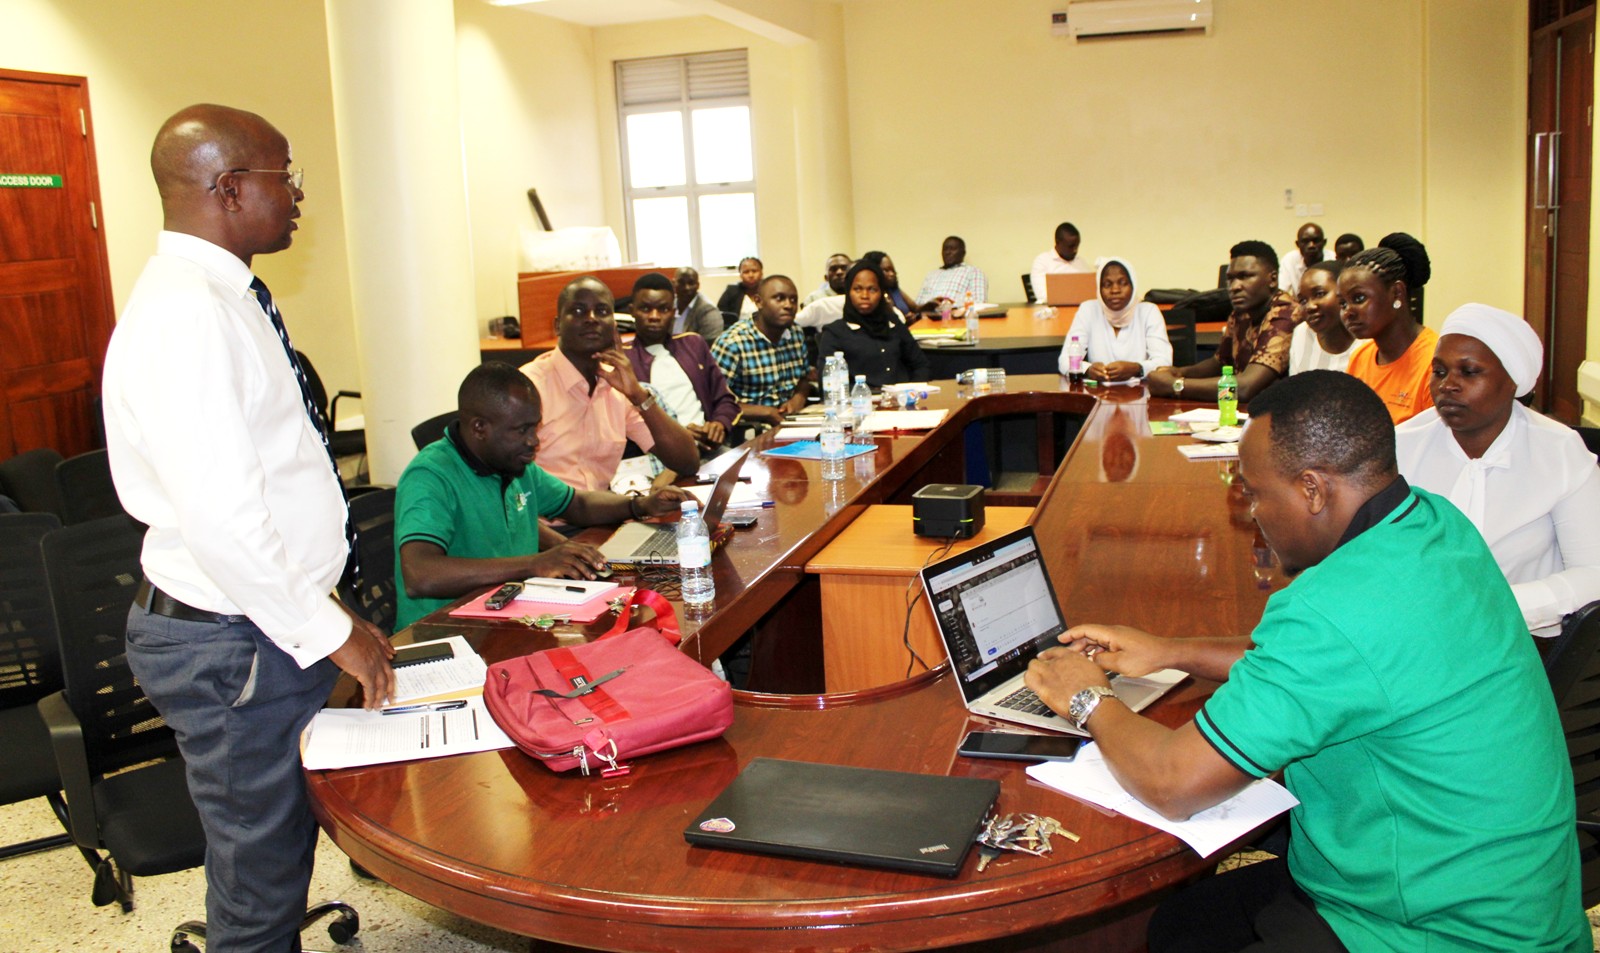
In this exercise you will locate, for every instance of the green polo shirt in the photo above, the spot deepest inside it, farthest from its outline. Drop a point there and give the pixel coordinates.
(448, 497)
(1396, 687)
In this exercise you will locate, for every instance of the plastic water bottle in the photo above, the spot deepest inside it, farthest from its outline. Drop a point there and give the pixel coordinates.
(832, 447)
(1075, 355)
(860, 399)
(1227, 399)
(972, 320)
(694, 557)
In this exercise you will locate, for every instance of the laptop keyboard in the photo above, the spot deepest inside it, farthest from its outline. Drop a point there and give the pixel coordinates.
(1025, 701)
(659, 546)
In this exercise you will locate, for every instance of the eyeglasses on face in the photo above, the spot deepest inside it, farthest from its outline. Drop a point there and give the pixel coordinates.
(297, 177)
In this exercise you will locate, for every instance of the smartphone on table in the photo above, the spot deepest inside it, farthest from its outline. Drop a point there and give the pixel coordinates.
(1011, 746)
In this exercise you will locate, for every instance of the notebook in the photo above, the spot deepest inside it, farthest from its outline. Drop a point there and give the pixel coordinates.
(656, 544)
(995, 610)
(1069, 289)
(919, 822)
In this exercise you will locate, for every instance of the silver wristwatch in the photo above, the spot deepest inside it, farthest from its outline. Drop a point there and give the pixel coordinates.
(1177, 387)
(1084, 703)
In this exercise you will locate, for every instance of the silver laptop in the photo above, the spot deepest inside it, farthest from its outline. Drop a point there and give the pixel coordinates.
(995, 610)
(656, 544)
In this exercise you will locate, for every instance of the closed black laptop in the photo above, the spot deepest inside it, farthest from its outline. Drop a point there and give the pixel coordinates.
(919, 822)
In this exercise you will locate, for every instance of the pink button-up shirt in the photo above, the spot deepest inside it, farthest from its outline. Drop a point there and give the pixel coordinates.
(582, 434)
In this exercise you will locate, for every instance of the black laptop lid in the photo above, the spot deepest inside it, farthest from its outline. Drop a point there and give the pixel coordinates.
(995, 609)
(919, 822)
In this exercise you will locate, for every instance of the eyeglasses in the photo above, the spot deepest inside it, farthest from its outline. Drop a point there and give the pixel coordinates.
(296, 176)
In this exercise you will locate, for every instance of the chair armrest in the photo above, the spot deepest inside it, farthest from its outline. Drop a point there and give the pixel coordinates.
(333, 406)
(66, 739)
(1592, 827)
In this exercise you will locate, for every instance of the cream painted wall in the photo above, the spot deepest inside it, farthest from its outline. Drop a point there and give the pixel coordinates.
(530, 120)
(803, 209)
(146, 61)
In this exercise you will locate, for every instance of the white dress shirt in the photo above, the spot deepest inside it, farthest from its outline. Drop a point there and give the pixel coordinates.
(820, 313)
(211, 447)
(677, 391)
(1144, 340)
(1291, 268)
(1535, 497)
(1050, 263)
(1306, 353)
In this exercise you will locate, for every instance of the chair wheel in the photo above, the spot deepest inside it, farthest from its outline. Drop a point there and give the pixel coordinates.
(105, 884)
(344, 929)
(183, 946)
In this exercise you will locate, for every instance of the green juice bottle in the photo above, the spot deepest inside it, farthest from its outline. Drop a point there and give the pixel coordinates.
(1227, 399)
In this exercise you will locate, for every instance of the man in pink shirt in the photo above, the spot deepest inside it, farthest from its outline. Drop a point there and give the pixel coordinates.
(593, 403)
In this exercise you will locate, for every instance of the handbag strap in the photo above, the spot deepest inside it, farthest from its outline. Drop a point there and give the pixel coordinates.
(666, 618)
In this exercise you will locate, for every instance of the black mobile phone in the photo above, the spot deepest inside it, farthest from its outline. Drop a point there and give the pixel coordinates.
(417, 654)
(502, 597)
(741, 521)
(1010, 746)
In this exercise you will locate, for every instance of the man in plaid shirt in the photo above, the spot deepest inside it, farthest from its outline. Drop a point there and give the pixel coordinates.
(764, 358)
(956, 281)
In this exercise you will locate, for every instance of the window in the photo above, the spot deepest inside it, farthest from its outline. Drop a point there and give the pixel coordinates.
(689, 180)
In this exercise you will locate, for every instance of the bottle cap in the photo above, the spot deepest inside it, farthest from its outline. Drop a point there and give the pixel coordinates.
(1227, 369)
(689, 506)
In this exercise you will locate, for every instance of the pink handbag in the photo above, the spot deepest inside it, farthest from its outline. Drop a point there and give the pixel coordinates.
(623, 695)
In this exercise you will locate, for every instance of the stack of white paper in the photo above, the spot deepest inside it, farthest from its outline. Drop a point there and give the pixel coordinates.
(352, 737)
(884, 421)
(454, 677)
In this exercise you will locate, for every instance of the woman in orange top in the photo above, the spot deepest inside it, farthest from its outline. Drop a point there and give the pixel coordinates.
(1395, 356)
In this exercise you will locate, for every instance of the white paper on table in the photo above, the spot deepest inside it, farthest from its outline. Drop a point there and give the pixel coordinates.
(1204, 415)
(352, 737)
(917, 387)
(441, 678)
(882, 421)
(562, 591)
(1088, 778)
(744, 496)
(797, 433)
(633, 476)
(1209, 451)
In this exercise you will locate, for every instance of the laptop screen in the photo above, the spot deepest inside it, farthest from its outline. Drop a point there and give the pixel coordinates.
(995, 609)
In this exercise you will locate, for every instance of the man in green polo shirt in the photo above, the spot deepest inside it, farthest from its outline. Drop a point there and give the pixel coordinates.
(1394, 685)
(467, 507)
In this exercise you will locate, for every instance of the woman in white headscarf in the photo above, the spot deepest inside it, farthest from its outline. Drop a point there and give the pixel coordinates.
(1526, 481)
(1125, 338)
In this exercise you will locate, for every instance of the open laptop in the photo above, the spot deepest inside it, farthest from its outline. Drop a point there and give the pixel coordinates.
(995, 610)
(1069, 288)
(656, 544)
(919, 822)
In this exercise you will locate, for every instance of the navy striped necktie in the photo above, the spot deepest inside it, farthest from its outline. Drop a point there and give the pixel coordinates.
(352, 564)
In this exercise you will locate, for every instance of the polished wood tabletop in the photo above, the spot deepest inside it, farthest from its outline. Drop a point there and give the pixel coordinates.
(1132, 532)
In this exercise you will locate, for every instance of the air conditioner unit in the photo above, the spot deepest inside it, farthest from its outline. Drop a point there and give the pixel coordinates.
(1096, 18)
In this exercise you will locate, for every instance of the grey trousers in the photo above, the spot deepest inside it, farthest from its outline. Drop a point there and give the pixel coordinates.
(238, 704)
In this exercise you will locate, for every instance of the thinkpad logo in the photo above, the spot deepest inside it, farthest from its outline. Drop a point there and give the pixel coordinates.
(934, 849)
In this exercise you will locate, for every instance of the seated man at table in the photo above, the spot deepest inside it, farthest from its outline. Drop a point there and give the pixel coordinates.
(955, 281)
(679, 366)
(1346, 246)
(1309, 245)
(1256, 341)
(764, 358)
(593, 403)
(467, 508)
(832, 278)
(695, 314)
(1061, 259)
(1413, 722)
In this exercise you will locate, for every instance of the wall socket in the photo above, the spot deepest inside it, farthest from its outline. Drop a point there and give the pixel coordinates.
(1288, 198)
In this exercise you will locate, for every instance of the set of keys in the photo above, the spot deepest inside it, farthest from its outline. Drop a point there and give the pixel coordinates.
(547, 621)
(1027, 833)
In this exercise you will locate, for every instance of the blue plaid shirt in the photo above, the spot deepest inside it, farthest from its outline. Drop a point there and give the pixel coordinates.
(758, 371)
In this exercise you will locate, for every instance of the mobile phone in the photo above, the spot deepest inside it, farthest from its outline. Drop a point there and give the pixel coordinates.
(417, 654)
(502, 597)
(741, 521)
(1010, 746)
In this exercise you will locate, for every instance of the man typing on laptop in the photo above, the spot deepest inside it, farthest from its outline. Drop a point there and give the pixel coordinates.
(467, 507)
(1413, 722)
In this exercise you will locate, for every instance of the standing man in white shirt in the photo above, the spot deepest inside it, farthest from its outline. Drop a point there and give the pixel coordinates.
(1061, 259)
(234, 635)
(1309, 246)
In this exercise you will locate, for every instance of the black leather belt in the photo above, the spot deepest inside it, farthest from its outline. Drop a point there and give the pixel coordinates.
(155, 601)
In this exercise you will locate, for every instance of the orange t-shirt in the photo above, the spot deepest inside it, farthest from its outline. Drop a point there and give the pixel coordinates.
(1403, 385)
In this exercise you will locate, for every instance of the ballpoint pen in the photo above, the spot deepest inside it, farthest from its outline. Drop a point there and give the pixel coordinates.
(554, 585)
(427, 706)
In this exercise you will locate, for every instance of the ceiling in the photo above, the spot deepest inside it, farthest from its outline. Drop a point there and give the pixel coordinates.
(606, 12)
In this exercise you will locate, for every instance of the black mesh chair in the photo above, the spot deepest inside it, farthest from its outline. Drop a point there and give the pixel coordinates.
(124, 779)
(1573, 666)
(372, 594)
(29, 670)
(431, 429)
(87, 492)
(344, 443)
(29, 478)
(1028, 291)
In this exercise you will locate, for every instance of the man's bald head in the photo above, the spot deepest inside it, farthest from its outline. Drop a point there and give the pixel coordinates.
(201, 142)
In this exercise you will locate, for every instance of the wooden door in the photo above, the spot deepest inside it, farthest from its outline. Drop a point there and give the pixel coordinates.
(55, 292)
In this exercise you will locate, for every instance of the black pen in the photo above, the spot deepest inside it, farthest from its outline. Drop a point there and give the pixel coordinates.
(555, 585)
(426, 706)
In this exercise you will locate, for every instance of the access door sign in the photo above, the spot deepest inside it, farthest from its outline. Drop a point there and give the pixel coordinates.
(28, 180)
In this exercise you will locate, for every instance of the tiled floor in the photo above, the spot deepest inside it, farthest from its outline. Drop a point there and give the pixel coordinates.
(47, 904)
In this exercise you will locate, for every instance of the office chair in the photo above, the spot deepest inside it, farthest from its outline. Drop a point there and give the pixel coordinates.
(29, 670)
(1573, 666)
(372, 594)
(431, 429)
(125, 788)
(1591, 438)
(87, 492)
(344, 443)
(1027, 289)
(30, 479)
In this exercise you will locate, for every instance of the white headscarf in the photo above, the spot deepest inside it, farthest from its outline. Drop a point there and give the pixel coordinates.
(1508, 336)
(1117, 319)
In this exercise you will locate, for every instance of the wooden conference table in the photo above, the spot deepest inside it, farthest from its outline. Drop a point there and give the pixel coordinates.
(1132, 532)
